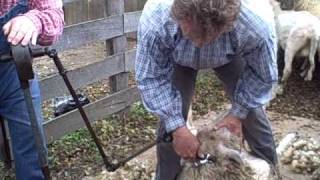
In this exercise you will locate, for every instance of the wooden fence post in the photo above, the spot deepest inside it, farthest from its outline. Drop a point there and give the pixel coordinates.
(131, 5)
(117, 45)
(76, 12)
(116, 66)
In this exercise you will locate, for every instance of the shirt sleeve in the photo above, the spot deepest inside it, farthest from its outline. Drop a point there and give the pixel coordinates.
(255, 85)
(48, 17)
(153, 75)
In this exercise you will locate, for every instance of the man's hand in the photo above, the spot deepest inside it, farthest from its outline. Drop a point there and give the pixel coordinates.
(20, 30)
(232, 123)
(185, 143)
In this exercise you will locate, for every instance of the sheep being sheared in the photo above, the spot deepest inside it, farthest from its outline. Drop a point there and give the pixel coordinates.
(228, 163)
(298, 34)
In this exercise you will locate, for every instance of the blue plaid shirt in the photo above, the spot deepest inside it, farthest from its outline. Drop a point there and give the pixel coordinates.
(161, 45)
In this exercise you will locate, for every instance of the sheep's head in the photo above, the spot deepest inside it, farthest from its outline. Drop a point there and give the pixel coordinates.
(228, 163)
(209, 140)
(275, 4)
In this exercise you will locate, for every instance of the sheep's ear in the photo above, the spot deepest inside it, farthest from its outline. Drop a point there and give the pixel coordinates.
(274, 3)
(204, 133)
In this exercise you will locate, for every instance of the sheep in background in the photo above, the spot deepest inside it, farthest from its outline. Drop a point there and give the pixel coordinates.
(312, 6)
(298, 34)
(262, 8)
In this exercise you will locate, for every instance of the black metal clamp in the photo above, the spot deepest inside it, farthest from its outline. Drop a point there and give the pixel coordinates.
(206, 159)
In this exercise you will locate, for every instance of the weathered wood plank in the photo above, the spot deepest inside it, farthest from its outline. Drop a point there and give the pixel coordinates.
(119, 81)
(54, 85)
(130, 58)
(96, 9)
(130, 5)
(72, 121)
(141, 4)
(76, 12)
(68, 1)
(131, 21)
(115, 7)
(90, 31)
(119, 45)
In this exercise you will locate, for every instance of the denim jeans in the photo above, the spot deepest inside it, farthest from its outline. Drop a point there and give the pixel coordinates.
(13, 108)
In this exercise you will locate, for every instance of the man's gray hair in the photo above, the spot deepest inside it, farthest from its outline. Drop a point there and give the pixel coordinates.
(207, 14)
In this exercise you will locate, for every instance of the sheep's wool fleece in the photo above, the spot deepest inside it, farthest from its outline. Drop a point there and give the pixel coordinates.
(262, 8)
(312, 6)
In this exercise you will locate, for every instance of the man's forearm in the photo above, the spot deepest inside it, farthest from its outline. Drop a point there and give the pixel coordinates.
(47, 15)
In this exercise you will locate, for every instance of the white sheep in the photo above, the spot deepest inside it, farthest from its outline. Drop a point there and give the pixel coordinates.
(262, 8)
(298, 34)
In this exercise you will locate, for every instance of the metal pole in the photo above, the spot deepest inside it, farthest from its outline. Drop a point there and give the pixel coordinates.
(109, 166)
(4, 144)
(53, 54)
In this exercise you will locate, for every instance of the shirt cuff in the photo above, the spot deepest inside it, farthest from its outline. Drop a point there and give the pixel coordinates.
(239, 111)
(174, 123)
(35, 19)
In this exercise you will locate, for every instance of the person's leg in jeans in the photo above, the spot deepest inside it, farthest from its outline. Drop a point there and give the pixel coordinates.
(168, 166)
(13, 109)
(256, 128)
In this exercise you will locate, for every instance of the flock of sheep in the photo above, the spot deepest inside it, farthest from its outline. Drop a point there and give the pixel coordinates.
(298, 35)
(298, 31)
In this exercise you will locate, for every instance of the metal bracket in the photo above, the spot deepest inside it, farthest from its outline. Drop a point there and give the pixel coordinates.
(206, 159)
(23, 60)
(5, 154)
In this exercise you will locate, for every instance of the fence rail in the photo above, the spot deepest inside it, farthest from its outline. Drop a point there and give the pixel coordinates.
(116, 67)
(53, 86)
(108, 105)
(97, 30)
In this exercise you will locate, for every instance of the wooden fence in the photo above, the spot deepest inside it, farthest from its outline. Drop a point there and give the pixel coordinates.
(77, 11)
(111, 28)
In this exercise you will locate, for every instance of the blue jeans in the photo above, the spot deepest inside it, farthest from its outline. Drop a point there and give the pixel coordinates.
(13, 109)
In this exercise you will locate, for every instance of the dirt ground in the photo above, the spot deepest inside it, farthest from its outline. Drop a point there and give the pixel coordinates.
(282, 125)
(296, 110)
